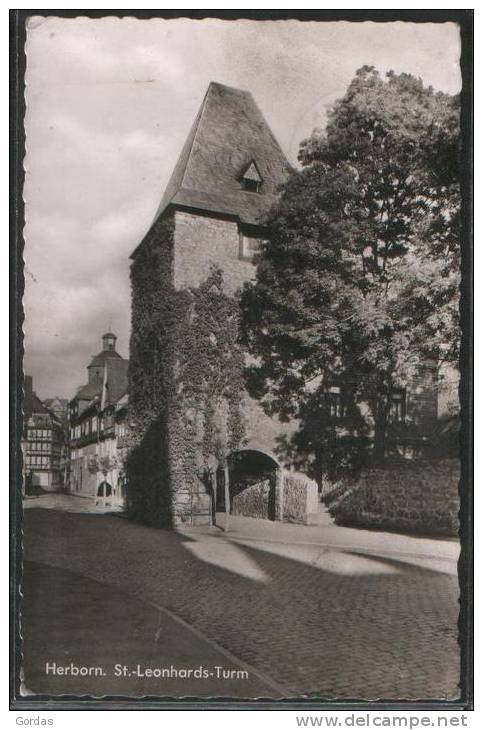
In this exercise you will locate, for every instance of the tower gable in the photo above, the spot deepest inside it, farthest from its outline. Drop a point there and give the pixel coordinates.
(230, 141)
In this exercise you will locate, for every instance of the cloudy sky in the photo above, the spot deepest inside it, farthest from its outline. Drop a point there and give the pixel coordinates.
(109, 104)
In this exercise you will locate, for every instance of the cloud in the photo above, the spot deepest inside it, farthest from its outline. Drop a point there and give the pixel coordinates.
(99, 51)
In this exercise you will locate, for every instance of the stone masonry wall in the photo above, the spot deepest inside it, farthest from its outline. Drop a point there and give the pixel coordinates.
(417, 496)
(200, 242)
(263, 432)
(171, 289)
(295, 495)
(253, 501)
(300, 498)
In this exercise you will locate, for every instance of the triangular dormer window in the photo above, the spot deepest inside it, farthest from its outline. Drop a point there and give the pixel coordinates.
(251, 179)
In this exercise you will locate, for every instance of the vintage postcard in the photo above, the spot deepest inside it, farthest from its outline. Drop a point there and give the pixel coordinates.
(242, 467)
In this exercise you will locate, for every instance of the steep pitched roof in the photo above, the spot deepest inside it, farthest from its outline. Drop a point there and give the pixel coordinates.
(228, 136)
(88, 391)
(33, 405)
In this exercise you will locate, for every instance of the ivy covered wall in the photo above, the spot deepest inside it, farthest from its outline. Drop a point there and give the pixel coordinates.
(185, 385)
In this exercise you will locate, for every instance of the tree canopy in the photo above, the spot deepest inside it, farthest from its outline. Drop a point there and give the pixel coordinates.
(357, 284)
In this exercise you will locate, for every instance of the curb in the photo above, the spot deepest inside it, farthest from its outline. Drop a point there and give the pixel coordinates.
(280, 689)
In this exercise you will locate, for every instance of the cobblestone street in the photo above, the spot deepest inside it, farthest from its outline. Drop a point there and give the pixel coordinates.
(317, 617)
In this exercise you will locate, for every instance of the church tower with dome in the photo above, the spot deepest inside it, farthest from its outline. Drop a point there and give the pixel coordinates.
(97, 415)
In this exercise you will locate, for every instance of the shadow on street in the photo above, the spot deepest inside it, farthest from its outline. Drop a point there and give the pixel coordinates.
(344, 626)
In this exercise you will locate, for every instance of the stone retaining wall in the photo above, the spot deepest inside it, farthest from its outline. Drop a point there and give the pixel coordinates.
(414, 496)
(295, 497)
(253, 501)
(300, 498)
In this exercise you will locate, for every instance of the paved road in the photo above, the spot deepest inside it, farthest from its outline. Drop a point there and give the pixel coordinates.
(320, 620)
(85, 637)
(70, 503)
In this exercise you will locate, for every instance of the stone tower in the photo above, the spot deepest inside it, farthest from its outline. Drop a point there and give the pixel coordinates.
(224, 184)
(211, 217)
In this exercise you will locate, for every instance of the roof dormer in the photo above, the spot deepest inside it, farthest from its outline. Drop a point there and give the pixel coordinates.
(251, 180)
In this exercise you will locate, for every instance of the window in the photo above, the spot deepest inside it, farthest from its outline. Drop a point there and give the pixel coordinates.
(397, 407)
(334, 402)
(252, 186)
(250, 245)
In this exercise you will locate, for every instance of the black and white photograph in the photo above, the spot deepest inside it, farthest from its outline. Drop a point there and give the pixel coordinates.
(240, 455)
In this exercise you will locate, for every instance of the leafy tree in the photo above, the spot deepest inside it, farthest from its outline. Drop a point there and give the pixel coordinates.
(358, 281)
